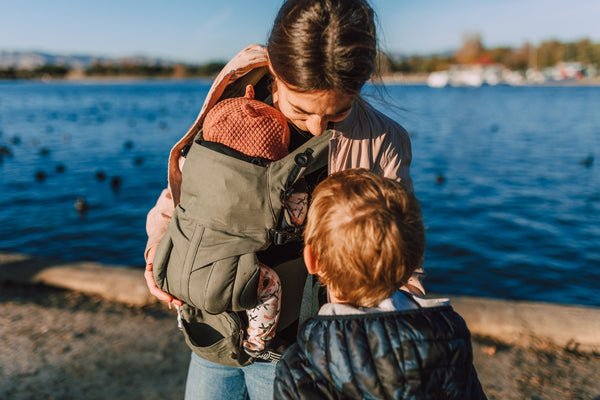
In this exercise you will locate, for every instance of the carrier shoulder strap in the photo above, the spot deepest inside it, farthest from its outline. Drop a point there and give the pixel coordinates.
(310, 299)
(307, 159)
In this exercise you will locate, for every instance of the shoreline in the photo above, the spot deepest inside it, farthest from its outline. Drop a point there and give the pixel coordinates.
(390, 79)
(573, 327)
(65, 334)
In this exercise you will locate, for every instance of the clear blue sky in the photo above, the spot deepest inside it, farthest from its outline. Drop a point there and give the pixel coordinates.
(205, 30)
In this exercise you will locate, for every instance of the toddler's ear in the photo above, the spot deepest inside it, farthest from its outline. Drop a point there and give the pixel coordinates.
(249, 92)
(312, 264)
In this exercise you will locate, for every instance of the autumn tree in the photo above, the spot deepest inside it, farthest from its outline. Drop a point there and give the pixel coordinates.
(500, 55)
(522, 58)
(471, 50)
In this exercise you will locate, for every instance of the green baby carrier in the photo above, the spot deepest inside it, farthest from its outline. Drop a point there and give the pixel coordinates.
(231, 207)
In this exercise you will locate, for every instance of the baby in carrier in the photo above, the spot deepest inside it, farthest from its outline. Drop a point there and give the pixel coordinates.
(259, 131)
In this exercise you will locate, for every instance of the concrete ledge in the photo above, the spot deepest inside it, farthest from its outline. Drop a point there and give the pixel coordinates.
(529, 324)
(116, 283)
(576, 328)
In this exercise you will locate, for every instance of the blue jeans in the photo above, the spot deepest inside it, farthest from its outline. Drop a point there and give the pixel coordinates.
(209, 381)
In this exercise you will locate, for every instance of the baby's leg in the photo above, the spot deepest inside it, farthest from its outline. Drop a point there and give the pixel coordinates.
(262, 319)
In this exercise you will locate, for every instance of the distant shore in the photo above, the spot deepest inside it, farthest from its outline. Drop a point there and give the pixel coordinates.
(421, 79)
(389, 79)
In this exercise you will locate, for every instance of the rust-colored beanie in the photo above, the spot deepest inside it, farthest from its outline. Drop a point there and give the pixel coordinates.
(248, 126)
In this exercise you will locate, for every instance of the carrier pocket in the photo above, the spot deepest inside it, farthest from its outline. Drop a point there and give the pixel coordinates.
(184, 235)
(229, 284)
(215, 337)
(161, 260)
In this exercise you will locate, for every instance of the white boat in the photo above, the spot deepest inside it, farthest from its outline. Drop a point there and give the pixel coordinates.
(458, 75)
(466, 78)
(438, 79)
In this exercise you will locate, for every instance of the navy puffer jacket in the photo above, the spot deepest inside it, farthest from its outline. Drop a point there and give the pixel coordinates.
(414, 354)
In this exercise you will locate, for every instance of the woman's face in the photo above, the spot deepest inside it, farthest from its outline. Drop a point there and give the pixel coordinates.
(311, 111)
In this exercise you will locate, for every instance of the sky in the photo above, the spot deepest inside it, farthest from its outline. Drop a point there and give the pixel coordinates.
(198, 31)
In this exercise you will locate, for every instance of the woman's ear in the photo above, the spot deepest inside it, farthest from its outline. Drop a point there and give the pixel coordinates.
(312, 264)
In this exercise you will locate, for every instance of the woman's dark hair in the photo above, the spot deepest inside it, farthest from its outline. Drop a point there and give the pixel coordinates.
(324, 44)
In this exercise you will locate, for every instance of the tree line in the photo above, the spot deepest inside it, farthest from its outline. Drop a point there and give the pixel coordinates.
(115, 70)
(472, 51)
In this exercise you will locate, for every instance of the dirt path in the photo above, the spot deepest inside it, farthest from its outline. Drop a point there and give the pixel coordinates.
(60, 344)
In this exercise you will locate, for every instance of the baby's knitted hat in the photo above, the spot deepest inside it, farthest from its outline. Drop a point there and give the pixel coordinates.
(248, 126)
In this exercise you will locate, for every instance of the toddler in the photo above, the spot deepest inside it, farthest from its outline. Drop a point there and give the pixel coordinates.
(364, 237)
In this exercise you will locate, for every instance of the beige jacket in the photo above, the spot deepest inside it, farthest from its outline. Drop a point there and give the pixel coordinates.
(366, 138)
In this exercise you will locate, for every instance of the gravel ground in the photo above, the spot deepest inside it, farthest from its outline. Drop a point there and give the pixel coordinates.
(60, 344)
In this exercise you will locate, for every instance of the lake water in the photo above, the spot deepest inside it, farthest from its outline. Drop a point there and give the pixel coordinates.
(506, 176)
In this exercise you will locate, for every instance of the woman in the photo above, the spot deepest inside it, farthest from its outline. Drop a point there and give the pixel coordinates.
(319, 55)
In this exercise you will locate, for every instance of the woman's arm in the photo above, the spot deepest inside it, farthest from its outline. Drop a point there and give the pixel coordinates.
(157, 222)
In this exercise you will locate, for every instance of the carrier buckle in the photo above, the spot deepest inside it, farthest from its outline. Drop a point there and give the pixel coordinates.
(280, 237)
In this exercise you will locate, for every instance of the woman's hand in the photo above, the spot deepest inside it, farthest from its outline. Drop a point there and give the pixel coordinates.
(154, 289)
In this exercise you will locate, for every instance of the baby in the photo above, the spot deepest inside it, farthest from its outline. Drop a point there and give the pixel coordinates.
(260, 132)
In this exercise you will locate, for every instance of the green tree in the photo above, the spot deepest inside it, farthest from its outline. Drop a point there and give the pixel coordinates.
(8, 73)
(53, 71)
(550, 52)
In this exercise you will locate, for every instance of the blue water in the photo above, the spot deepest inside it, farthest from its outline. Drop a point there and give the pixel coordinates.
(511, 209)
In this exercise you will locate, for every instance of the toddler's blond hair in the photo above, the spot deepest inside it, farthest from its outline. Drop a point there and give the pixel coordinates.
(367, 234)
